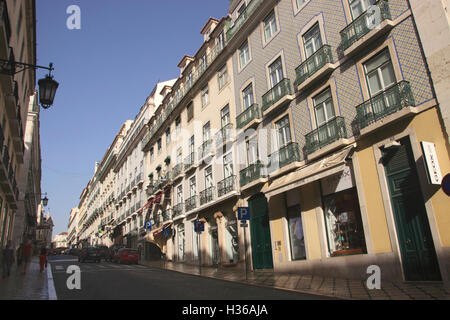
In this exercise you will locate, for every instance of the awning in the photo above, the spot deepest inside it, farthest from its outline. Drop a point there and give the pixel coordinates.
(329, 165)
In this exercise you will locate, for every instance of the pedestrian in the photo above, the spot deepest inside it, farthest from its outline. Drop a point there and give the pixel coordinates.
(8, 259)
(43, 258)
(27, 251)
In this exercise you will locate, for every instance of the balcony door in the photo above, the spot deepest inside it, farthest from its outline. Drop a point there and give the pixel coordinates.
(380, 77)
(358, 7)
(275, 77)
(324, 112)
(312, 41)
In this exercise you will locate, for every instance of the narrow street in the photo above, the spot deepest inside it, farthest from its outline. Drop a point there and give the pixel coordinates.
(111, 281)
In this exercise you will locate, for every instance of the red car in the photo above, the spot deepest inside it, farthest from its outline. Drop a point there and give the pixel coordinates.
(126, 255)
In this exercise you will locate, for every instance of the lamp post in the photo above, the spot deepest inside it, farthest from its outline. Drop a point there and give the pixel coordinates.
(47, 86)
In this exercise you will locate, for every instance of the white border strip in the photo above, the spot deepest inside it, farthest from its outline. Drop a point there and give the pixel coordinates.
(51, 284)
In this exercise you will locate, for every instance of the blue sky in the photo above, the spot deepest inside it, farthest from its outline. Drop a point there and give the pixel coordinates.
(106, 70)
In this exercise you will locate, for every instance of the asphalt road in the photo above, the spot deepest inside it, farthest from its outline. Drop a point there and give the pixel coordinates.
(110, 281)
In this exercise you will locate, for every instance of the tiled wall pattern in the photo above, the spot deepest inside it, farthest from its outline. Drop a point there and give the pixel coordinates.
(345, 77)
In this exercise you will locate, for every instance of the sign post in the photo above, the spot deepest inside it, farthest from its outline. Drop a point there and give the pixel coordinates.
(199, 227)
(244, 216)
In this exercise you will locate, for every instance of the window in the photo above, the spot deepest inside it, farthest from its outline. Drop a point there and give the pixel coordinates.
(379, 73)
(206, 132)
(195, 240)
(203, 63)
(223, 76)
(151, 154)
(276, 72)
(296, 235)
(252, 150)
(220, 41)
(323, 107)
(159, 145)
(283, 132)
(228, 165)
(177, 126)
(191, 145)
(205, 97)
(312, 41)
(225, 116)
(180, 194)
(244, 55)
(167, 136)
(179, 155)
(247, 96)
(343, 222)
(192, 187)
(270, 26)
(208, 178)
(190, 111)
(357, 7)
(300, 3)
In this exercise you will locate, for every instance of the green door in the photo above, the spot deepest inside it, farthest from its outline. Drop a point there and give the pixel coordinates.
(260, 233)
(413, 230)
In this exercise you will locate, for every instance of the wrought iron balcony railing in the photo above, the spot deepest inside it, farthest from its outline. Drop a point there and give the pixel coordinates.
(189, 161)
(364, 23)
(177, 170)
(384, 103)
(248, 115)
(253, 172)
(286, 155)
(226, 186)
(207, 195)
(178, 210)
(205, 149)
(190, 203)
(313, 64)
(224, 134)
(233, 28)
(327, 133)
(280, 90)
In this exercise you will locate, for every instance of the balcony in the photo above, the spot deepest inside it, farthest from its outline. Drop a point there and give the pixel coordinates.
(241, 19)
(387, 106)
(206, 196)
(315, 67)
(205, 150)
(254, 173)
(367, 27)
(276, 97)
(226, 186)
(328, 133)
(150, 189)
(190, 204)
(177, 171)
(224, 135)
(249, 118)
(189, 162)
(177, 210)
(285, 159)
(167, 215)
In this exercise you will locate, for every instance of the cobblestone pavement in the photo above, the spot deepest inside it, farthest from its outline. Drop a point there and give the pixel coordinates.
(312, 284)
(31, 286)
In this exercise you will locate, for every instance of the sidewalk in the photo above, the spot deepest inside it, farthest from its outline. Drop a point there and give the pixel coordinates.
(31, 286)
(332, 287)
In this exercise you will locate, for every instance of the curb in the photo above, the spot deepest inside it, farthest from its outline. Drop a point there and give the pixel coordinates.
(50, 283)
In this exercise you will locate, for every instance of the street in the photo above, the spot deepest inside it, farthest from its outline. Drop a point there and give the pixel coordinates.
(111, 281)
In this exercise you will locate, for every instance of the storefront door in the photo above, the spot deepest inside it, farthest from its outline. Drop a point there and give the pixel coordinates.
(413, 230)
(260, 233)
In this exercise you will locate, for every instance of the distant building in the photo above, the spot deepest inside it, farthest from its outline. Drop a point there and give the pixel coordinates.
(60, 240)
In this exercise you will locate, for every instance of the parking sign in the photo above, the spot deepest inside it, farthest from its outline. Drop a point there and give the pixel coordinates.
(243, 213)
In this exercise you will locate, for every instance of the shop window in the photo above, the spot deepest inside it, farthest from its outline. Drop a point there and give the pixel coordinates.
(343, 222)
(296, 234)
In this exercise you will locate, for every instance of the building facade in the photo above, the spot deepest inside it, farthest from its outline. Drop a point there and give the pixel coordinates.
(19, 116)
(346, 103)
(60, 241)
(326, 119)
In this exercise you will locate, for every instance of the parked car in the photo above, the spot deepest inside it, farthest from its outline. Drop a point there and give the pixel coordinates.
(104, 252)
(74, 252)
(89, 253)
(113, 251)
(126, 255)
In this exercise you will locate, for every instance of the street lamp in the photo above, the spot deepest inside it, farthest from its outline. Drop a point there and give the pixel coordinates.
(47, 89)
(47, 86)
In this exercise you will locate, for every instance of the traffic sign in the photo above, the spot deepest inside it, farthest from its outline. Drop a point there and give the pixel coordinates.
(446, 184)
(199, 226)
(243, 213)
(148, 225)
